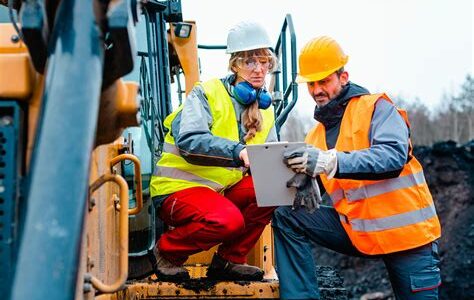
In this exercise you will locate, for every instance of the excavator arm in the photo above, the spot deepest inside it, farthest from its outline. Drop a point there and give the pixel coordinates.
(79, 49)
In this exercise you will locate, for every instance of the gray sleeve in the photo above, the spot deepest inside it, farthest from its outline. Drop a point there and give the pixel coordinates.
(195, 142)
(272, 135)
(388, 149)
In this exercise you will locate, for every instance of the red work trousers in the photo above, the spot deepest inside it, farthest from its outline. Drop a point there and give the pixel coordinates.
(203, 218)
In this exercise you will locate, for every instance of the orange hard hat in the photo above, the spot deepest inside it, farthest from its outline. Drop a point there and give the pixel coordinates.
(319, 58)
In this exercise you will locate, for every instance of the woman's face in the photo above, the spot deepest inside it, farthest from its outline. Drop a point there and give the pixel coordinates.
(253, 69)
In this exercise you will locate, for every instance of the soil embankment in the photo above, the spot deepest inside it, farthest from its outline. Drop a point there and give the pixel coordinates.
(449, 171)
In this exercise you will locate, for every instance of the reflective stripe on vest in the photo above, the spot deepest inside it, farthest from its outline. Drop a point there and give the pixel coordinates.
(179, 174)
(379, 216)
(379, 188)
(400, 220)
(173, 173)
(170, 148)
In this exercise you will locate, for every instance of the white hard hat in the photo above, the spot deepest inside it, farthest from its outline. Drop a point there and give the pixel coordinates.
(247, 35)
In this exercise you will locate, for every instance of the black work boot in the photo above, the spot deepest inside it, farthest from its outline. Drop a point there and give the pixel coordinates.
(221, 269)
(167, 271)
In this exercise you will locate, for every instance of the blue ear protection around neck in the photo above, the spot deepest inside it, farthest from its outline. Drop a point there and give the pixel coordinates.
(245, 94)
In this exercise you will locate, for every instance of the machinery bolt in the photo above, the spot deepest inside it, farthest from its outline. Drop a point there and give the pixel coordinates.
(15, 38)
(91, 264)
(87, 287)
(92, 203)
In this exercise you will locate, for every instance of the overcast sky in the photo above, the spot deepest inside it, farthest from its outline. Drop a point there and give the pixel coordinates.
(407, 48)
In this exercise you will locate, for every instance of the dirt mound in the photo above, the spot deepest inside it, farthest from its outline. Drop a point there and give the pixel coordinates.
(449, 171)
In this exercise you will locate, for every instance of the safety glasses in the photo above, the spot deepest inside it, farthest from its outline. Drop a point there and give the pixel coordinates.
(251, 63)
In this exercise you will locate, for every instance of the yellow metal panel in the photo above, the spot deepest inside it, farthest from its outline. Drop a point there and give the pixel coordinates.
(101, 241)
(127, 104)
(6, 43)
(186, 48)
(197, 271)
(122, 232)
(106, 297)
(34, 105)
(261, 255)
(16, 76)
(118, 109)
(203, 258)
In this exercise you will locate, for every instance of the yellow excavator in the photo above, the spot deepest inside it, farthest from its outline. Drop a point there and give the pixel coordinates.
(84, 88)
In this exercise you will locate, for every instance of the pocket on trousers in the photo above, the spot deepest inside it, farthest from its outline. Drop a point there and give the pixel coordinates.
(425, 281)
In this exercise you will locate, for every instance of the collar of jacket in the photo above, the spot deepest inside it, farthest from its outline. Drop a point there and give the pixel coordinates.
(228, 83)
(331, 114)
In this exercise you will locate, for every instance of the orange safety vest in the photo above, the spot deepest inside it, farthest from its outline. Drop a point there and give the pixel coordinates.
(380, 216)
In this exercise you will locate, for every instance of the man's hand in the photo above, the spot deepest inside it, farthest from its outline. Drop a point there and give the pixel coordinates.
(307, 192)
(311, 160)
(296, 159)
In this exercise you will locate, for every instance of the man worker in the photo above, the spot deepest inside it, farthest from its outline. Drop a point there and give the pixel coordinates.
(381, 204)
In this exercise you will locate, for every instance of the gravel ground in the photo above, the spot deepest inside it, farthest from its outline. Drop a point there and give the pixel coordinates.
(449, 170)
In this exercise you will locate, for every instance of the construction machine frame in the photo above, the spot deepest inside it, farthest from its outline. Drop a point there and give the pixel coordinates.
(78, 144)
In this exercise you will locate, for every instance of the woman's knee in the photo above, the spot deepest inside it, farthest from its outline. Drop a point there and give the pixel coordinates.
(232, 225)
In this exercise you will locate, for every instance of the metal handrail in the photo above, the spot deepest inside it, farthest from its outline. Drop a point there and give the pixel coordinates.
(152, 122)
(159, 98)
(123, 235)
(283, 108)
(138, 179)
(212, 47)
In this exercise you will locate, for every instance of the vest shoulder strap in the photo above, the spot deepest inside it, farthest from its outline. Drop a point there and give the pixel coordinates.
(370, 100)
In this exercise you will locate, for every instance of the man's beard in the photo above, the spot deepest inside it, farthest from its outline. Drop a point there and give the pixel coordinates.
(331, 113)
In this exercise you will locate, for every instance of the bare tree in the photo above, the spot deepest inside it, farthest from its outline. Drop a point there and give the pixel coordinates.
(465, 104)
(456, 115)
(452, 120)
(421, 129)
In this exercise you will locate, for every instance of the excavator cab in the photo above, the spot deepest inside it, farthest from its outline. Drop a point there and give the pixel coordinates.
(84, 88)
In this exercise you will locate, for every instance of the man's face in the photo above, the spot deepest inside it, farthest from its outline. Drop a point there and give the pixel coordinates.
(328, 88)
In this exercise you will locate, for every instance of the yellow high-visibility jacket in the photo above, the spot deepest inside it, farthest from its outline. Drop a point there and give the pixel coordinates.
(173, 173)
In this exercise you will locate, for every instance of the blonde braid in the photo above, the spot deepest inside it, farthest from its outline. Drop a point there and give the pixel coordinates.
(252, 120)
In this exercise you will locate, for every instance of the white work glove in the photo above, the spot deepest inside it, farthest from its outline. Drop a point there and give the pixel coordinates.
(312, 161)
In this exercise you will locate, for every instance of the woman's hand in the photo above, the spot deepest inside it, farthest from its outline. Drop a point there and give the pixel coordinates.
(243, 155)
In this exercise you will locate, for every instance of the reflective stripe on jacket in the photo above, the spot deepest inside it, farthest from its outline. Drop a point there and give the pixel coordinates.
(380, 216)
(173, 173)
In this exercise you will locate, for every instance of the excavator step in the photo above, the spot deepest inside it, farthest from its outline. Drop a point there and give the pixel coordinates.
(197, 289)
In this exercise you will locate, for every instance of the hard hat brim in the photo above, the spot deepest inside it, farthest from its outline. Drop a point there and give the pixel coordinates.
(319, 75)
(315, 76)
(262, 46)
